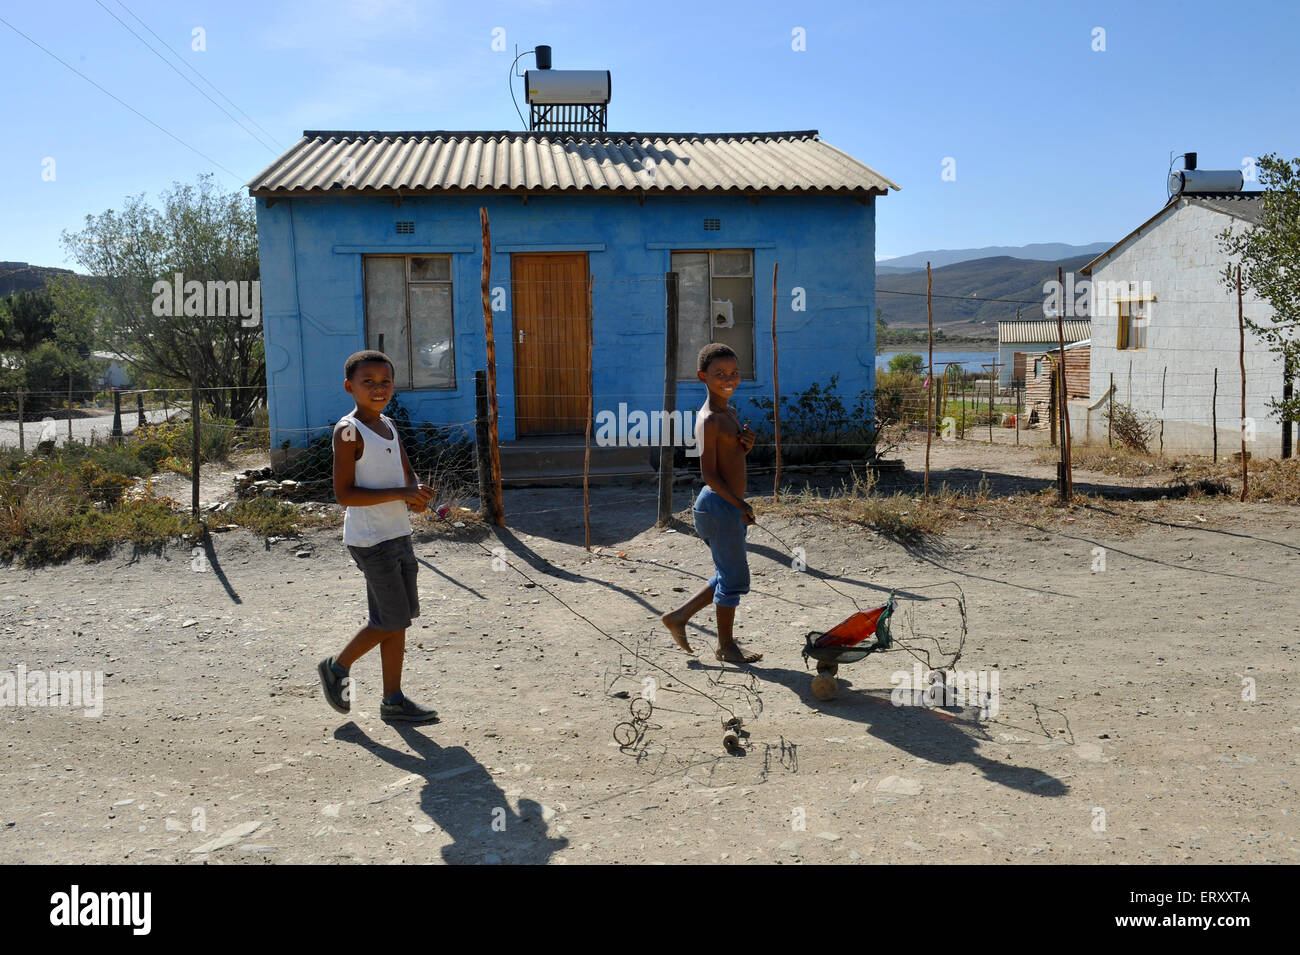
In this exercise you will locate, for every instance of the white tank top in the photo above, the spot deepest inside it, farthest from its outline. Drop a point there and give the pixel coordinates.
(380, 466)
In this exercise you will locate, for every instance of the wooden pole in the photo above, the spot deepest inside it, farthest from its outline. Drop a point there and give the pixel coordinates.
(961, 398)
(993, 382)
(1241, 356)
(670, 398)
(117, 416)
(1053, 413)
(482, 452)
(1288, 389)
(22, 444)
(1067, 490)
(1163, 373)
(1110, 412)
(493, 432)
(194, 429)
(776, 394)
(929, 404)
(69, 410)
(139, 409)
(591, 398)
(1214, 415)
(1015, 396)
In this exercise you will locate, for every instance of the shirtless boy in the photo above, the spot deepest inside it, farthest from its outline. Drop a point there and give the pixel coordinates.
(721, 515)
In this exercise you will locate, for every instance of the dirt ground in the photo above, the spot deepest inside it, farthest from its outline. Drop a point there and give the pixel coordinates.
(1145, 710)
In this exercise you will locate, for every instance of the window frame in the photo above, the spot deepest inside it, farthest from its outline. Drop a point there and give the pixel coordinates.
(1127, 315)
(407, 282)
(753, 324)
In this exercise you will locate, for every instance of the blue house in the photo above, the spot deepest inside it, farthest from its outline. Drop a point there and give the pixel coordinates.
(373, 240)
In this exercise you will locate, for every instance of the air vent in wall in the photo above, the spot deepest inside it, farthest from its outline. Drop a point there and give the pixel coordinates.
(712, 225)
(406, 228)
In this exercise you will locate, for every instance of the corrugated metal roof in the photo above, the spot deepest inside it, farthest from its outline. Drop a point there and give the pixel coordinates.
(1241, 205)
(1039, 332)
(440, 161)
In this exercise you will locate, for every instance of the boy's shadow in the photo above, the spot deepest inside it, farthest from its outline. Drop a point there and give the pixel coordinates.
(944, 735)
(461, 798)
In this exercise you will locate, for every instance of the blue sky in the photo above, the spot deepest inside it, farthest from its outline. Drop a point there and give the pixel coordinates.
(1051, 139)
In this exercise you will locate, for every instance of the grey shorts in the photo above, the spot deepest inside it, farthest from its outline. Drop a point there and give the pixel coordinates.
(390, 568)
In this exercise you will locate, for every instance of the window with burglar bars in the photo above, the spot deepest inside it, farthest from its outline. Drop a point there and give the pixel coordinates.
(409, 317)
(715, 303)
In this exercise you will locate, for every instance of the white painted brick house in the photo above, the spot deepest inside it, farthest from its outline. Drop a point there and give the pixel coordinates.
(1162, 318)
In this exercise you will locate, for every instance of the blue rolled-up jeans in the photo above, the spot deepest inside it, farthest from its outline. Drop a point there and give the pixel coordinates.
(722, 526)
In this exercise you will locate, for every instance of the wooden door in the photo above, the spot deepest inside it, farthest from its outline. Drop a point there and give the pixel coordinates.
(549, 292)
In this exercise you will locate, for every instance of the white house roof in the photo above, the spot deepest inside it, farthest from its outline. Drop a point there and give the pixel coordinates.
(447, 162)
(1240, 205)
(1038, 332)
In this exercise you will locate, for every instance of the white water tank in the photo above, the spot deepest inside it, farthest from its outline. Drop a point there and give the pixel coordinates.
(1205, 180)
(567, 87)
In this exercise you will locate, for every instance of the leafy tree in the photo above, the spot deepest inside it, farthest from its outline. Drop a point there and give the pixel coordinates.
(206, 236)
(1269, 254)
(44, 350)
(26, 320)
(906, 362)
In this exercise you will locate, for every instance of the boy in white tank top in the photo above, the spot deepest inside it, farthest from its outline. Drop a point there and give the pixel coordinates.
(374, 481)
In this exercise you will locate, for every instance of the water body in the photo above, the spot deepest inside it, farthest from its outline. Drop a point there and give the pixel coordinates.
(969, 360)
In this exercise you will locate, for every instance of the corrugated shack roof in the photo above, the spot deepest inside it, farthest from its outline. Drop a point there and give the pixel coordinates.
(1039, 332)
(446, 162)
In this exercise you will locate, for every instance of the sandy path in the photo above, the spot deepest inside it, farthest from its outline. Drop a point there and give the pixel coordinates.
(1119, 690)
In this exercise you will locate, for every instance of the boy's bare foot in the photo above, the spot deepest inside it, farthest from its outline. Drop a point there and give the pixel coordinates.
(732, 653)
(677, 627)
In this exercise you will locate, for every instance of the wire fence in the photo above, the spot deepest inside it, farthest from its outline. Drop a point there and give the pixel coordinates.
(546, 385)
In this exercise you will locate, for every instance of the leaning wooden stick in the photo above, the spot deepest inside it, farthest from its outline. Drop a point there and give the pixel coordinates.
(586, 461)
(776, 393)
(499, 518)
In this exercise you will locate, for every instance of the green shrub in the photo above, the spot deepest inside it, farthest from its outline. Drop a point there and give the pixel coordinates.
(815, 427)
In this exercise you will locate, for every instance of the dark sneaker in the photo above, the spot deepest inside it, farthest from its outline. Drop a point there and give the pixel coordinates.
(337, 689)
(405, 709)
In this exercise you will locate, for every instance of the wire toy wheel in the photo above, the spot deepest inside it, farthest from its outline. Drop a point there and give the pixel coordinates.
(629, 733)
(626, 734)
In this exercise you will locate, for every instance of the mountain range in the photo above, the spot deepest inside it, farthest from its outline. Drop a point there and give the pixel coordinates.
(961, 292)
(1040, 251)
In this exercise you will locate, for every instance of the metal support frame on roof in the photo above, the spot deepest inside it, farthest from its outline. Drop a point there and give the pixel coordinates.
(568, 117)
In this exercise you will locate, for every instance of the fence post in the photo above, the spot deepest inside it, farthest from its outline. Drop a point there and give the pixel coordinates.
(1163, 373)
(929, 399)
(194, 431)
(69, 410)
(1110, 411)
(22, 445)
(499, 517)
(139, 407)
(1214, 415)
(117, 416)
(591, 399)
(961, 398)
(482, 454)
(665, 515)
(1241, 356)
(1288, 373)
(1067, 480)
(993, 383)
(1015, 416)
(776, 394)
